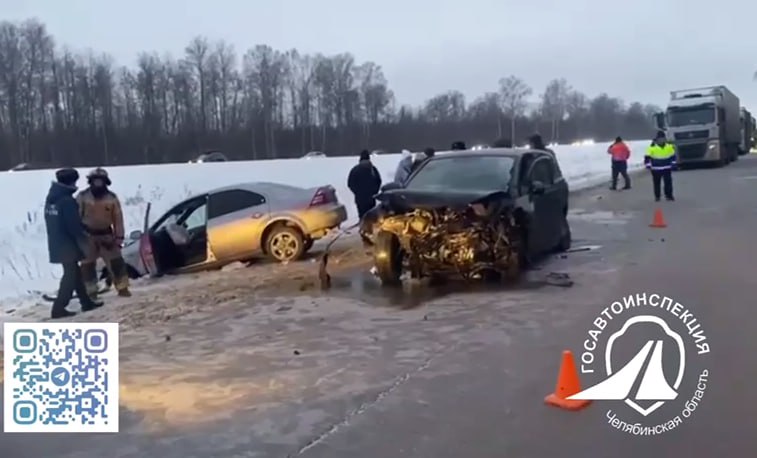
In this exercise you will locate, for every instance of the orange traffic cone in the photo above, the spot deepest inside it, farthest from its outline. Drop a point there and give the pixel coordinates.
(567, 385)
(658, 220)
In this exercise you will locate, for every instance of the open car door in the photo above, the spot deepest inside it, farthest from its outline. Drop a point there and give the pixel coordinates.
(146, 246)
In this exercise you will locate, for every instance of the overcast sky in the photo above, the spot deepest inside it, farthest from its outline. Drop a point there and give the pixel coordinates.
(639, 49)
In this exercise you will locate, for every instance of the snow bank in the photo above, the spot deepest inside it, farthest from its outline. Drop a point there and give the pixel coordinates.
(23, 251)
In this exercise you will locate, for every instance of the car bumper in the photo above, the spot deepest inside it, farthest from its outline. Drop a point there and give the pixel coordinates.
(320, 222)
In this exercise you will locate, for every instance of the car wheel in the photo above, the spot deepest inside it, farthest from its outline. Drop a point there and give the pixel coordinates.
(132, 272)
(308, 244)
(285, 244)
(387, 256)
(565, 237)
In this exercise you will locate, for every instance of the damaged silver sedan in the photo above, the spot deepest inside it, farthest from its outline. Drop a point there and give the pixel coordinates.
(471, 214)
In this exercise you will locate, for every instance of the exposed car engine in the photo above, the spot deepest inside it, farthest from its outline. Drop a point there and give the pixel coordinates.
(464, 242)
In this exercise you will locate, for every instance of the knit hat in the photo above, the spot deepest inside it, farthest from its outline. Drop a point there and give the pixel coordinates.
(67, 176)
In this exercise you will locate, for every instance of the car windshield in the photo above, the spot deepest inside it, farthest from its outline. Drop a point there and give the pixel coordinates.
(474, 173)
(691, 116)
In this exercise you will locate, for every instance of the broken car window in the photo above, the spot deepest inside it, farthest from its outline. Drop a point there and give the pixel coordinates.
(476, 173)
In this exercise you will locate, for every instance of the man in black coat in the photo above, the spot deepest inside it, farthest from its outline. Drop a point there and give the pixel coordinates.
(364, 181)
(66, 242)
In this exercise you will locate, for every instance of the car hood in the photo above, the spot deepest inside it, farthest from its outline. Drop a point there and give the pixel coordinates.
(434, 199)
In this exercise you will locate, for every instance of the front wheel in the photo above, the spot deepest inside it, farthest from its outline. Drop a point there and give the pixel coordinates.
(388, 256)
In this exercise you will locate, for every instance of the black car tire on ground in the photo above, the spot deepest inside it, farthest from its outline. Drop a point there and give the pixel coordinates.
(285, 243)
(387, 255)
(565, 237)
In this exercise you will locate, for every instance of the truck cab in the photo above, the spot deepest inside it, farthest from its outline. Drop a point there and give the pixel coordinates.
(704, 125)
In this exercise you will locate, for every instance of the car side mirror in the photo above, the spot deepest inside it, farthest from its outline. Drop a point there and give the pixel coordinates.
(390, 186)
(135, 235)
(538, 188)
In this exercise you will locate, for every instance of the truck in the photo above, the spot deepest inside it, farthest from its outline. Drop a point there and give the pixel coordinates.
(748, 126)
(704, 124)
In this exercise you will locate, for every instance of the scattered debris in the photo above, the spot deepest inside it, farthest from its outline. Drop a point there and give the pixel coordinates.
(297, 352)
(578, 249)
(168, 338)
(284, 308)
(559, 279)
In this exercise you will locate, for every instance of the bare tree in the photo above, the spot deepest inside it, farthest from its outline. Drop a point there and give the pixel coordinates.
(514, 93)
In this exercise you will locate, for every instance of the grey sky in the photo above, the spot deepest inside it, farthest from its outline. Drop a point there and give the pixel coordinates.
(638, 49)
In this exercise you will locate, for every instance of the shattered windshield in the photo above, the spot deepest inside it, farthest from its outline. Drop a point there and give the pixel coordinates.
(475, 173)
(703, 114)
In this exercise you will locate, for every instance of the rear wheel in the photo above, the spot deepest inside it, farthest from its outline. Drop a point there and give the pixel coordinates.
(285, 244)
(388, 256)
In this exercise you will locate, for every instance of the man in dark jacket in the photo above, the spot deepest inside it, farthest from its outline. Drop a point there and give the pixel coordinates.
(364, 181)
(503, 143)
(67, 242)
(536, 142)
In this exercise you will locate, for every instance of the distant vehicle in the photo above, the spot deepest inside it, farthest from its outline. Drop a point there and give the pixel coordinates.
(32, 166)
(470, 213)
(748, 131)
(377, 152)
(211, 156)
(314, 155)
(704, 124)
(236, 223)
(479, 147)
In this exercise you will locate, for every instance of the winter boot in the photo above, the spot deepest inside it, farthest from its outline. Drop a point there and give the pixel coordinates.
(56, 314)
(91, 304)
(124, 292)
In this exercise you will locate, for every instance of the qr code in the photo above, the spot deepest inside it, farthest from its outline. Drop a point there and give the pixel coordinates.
(61, 377)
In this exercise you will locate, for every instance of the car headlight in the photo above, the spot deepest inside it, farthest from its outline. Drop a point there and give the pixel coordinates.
(712, 146)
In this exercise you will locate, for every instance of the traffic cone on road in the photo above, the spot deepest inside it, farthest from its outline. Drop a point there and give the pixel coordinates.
(658, 220)
(567, 385)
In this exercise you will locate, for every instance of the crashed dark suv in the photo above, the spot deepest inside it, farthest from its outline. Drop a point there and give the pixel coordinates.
(470, 214)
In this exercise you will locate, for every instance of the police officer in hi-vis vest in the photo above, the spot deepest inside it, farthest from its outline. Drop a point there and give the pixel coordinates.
(660, 159)
(101, 215)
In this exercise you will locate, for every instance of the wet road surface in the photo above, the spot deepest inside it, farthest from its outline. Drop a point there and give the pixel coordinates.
(446, 373)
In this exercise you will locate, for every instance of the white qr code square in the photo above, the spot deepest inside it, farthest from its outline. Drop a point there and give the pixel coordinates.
(60, 377)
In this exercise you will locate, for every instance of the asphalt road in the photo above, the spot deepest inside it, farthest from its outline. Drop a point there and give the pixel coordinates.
(440, 374)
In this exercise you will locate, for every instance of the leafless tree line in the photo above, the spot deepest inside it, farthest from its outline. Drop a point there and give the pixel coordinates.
(58, 107)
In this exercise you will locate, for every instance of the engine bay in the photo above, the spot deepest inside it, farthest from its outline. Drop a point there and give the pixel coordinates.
(465, 241)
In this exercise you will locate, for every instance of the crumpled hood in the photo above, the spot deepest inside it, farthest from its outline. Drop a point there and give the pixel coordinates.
(435, 199)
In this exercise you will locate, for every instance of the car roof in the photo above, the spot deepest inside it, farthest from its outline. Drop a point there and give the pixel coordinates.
(514, 153)
(260, 187)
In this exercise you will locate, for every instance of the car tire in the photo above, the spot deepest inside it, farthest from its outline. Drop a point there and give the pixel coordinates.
(308, 244)
(285, 244)
(132, 272)
(566, 239)
(388, 257)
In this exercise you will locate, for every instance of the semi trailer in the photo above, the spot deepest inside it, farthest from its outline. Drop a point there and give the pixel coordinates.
(704, 124)
(748, 125)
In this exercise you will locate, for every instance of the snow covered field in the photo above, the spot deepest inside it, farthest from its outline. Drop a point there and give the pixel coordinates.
(23, 251)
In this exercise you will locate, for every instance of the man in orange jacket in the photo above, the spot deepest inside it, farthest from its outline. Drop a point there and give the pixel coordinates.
(619, 152)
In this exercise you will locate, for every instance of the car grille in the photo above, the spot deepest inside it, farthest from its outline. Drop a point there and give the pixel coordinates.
(692, 134)
(695, 151)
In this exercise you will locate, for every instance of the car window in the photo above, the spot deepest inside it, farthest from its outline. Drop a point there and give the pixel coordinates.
(472, 173)
(180, 213)
(195, 218)
(542, 171)
(225, 202)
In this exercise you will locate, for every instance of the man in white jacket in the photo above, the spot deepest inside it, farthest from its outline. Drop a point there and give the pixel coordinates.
(404, 167)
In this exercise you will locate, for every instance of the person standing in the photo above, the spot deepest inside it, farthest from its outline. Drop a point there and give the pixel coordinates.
(428, 153)
(364, 181)
(404, 167)
(660, 160)
(67, 243)
(536, 142)
(619, 153)
(103, 220)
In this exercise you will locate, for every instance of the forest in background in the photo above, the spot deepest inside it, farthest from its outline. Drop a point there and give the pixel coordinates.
(61, 107)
